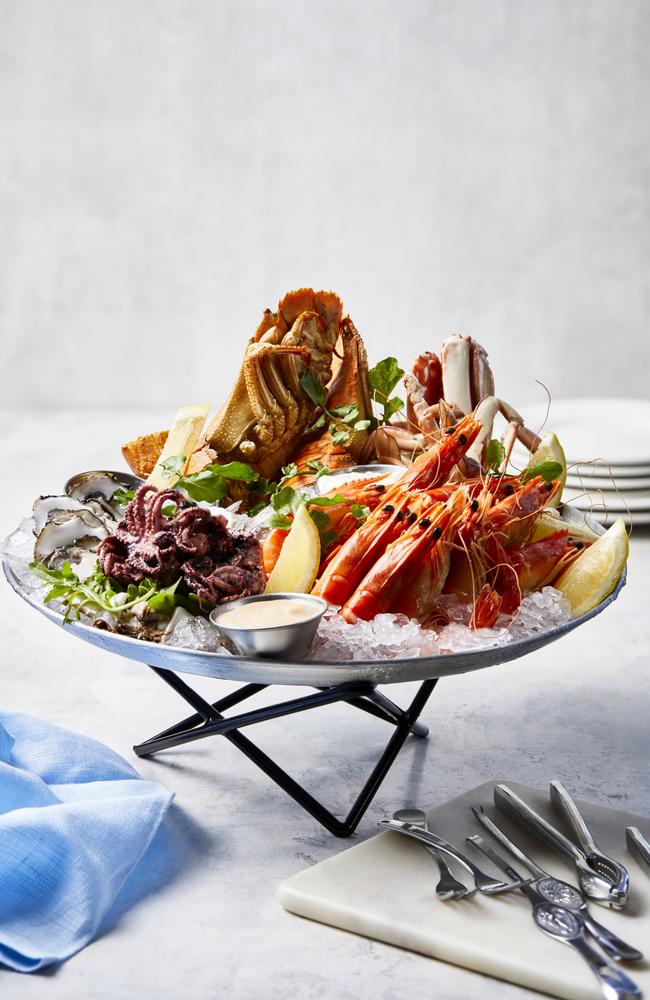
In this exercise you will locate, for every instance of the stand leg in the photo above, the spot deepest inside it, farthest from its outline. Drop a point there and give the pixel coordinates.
(208, 720)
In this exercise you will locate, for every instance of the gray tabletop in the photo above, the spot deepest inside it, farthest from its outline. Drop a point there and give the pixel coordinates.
(211, 927)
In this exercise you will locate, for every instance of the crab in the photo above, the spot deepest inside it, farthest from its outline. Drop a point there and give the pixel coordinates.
(440, 391)
(267, 412)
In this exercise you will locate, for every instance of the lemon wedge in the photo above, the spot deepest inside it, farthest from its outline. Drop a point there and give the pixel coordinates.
(595, 572)
(298, 562)
(550, 521)
(550, 450)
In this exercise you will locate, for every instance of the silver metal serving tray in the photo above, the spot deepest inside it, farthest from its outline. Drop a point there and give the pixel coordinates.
(312, 673)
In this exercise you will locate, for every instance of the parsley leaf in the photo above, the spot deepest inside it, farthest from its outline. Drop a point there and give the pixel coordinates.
(314, 388)
(547, 470)
(494, 455)
(382, 379)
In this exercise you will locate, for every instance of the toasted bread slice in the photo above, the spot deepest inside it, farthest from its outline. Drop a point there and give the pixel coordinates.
(142, 454)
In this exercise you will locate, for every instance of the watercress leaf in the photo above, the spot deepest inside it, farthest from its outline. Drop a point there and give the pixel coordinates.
(383, 378)
(320, 519)
(43, 573)
(279, 521)
(283, 498)
(391, 407)
(327, 538)
(361, 425)
(173, 466)
(347, 412)
(288, 471)
(340, 436)
(360, 511)
(326, 501)
(239, 471)
(314, 388)
(67, 572)
(494, 455)
(257, 508)
(318, 423)
(547, 470)
(210, 487)
(122, 496)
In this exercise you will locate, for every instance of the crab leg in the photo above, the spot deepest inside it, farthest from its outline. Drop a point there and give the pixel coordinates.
(527, 437)
(421, 414)
(480, 374)
(277, 382)
(485, 413)
(455, 356)
(269, 415)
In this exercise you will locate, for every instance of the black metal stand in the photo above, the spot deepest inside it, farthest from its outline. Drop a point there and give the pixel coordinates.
(208, 720)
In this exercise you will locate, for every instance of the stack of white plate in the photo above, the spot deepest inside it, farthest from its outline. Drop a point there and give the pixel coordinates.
(607, 445)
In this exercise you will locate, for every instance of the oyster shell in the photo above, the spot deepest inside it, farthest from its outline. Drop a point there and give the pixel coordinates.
(65, 531)
(44, 508)
(100, 485)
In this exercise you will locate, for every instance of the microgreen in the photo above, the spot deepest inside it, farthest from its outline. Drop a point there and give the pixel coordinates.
(122, 496)
(102, 592)
(547, 470)
(211, 483)
(341, 421)
(382, 379)
(286, 501)
(495, 453)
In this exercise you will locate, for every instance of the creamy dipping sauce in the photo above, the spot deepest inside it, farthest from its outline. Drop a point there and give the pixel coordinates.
(268, 614)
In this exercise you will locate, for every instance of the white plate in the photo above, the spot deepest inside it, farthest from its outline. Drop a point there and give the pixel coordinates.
(611, 501)
(615, 430)
(595, 470)
(613, 485)
(595, 515)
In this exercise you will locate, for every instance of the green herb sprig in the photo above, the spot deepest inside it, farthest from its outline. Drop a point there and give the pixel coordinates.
(341, 421)
(382, 380)
(101, 591)
(547, 470)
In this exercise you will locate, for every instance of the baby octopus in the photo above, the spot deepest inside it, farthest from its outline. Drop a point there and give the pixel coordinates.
(192, 545)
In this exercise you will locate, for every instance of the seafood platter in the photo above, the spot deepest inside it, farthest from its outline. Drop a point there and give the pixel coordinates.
(388, 498)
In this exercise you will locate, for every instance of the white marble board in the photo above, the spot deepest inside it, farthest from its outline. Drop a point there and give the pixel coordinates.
(383, 888)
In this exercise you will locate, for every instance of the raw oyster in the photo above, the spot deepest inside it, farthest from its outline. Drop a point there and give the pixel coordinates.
(46, 507)
(100, 486)
(67, 535)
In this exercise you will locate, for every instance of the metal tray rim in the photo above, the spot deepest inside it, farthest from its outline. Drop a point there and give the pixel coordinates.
(306, 672)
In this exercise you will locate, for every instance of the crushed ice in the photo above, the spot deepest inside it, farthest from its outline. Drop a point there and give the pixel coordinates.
(387, 637)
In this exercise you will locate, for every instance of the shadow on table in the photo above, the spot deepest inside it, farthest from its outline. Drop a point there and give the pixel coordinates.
(176, 848)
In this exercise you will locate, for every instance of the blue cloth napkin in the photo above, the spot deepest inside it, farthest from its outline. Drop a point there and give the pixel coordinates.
(75, 820)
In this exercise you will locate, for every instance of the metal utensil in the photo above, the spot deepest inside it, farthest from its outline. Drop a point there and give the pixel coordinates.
(638, 845)
(557, 891)
(568, 926)
(607, 867)
(484, 883)
(448, 886)
(594, 883)
(291, 641)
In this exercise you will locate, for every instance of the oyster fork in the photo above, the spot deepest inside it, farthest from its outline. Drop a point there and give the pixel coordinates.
(448, 886)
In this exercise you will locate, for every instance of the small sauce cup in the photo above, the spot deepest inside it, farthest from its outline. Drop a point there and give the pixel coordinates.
(290, 641)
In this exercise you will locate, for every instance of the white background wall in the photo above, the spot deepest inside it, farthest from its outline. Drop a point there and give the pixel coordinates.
(167, 169)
